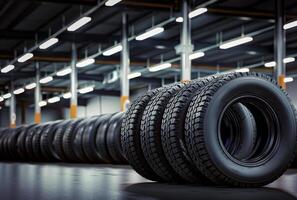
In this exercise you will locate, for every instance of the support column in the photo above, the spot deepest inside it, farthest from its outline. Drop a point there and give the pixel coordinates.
(37, 115)
(12, 108)
(186, 44)
(280, 44)
(73, 103)
(125, 65)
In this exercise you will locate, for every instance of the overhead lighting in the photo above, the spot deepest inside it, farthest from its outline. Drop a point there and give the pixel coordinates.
(85, 62)
(270, 64)
(42, 103)
(7, 96)
(236, 42)
(30, 86)
(7, 69)
(112, 2)
(1, 99)
(134, 75)
(290, 25)
(86, 90)
(25, 57)
(79, 23)
(196, 55)
(50, 42)
(67, 95)
(289, 59)
(150, 33)
(179, 19)
(242, 70)
(160, 67)
(19, 91)
(197, 12)
(113, 50)
(273, 63)
(289, 79)
(54, 99)
(64, 72)
(46, 80)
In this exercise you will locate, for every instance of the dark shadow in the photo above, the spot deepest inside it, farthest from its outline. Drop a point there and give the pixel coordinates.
(183, 192)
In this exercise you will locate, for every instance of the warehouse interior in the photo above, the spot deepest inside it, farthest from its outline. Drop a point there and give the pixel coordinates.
(67, 59)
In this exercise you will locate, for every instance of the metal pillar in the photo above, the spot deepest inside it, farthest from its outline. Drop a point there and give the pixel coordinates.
(37, 116)
(73, 103)
(125, 64)
(12, 107)
(280, 44)
(186, 46)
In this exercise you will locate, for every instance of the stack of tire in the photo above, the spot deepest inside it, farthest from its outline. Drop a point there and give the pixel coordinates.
(236, 129)
(91, 140)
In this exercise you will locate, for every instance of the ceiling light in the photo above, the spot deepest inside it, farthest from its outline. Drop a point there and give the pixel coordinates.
(236, 42)
(85, 62)
(7, 69)
(86, 90)
(289, 79)
(197, 12)
(196, 55)
(42, 103)
(67, 95)
(134, 75)
(25, 57)
(273, 63)
(112, 2)
(7, 96)
(79, 23)
(289, 59)
(19, 91)
(46, 79)
(179, 19)
(242, 70)
(270, 64)
(113, 50)
(150, 33)
(54, 99)
(290, 25)
(1, 99)
(30, 86)
(50, 42)
(160, 67)
(64, 72)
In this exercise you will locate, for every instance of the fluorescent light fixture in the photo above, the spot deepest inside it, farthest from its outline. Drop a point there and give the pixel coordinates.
(42, 103)
(242, 70)
(50, 42)
(25, 57)
(7, 69)
(236, 42)
(19, 91)
(196, 55)
(1, 99)
(289, 59)
(270, 64)
(113, 50)
(134, 75)
(198, 11)
(160, 67)
(273, 63)
(112, 2)
(86, 90)
(54, 99)
(290, 25)
(289, 79)
(67, 95)
(179, 19)
(64, 72)
(85, 62)
(79, 23)
(30, 86)
(7, 96)
(46, 80)
(150, 33)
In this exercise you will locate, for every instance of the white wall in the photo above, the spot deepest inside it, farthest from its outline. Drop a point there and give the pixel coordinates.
(102, 104)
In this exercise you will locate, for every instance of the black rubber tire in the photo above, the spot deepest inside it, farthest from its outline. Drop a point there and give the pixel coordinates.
(270, 107)
(29, 145)
(5, 145)
(2, 133)
(113, 139)
(77, 142)
(21, 142)
(12, 142)
(36, 142)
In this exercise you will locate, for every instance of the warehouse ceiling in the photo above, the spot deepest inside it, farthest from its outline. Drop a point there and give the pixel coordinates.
(25, 23)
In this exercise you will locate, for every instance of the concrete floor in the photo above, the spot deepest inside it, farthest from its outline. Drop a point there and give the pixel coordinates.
(103, 182)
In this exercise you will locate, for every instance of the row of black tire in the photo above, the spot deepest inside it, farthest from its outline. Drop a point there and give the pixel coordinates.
(91, 140)
(236, 129)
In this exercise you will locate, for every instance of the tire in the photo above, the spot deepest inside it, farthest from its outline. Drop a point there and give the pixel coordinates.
(36, 142)
(113, 139)
(275, 145)
(77, 142)
(12, 142)
(29, 144)
(21, 142)
(2, 134)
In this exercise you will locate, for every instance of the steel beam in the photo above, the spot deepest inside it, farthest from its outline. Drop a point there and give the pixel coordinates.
(12, 107)
(73, 103)
(37, 95)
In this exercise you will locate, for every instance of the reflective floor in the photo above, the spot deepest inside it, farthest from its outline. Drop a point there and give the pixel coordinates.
(103, 182)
